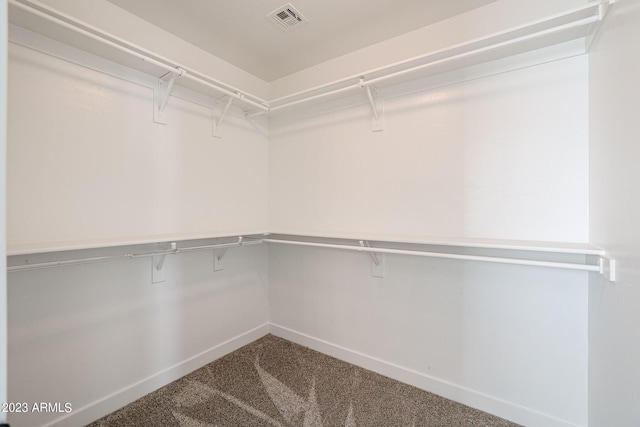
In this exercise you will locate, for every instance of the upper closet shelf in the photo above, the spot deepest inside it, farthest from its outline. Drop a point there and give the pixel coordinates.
(581, 23)
(57, 25)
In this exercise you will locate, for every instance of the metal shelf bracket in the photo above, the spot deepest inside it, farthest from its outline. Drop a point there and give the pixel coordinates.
(377, 121)
(219, 254)
(161, 94)
(377, 260)
(157, 264)
(217, 123)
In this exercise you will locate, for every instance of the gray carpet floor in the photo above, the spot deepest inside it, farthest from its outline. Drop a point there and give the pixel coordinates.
(274, 382)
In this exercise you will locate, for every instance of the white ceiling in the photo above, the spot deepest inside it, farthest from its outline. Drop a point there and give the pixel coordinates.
(238, 32)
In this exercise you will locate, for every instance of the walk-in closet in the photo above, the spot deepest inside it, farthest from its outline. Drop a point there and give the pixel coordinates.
(440, 193)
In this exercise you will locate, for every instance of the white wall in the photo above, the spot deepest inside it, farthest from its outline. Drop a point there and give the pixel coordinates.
(500, 157)
(3, 237)
(614, 336)
(506, 339)
(88, 166)
(503, 157)
(99, 336)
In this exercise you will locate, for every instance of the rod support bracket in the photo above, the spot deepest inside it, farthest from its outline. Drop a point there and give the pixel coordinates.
(377, 108)
(161, 94)
(377, 260)
(157, 264)
(218, 255)
(217, 123)
(608, 268)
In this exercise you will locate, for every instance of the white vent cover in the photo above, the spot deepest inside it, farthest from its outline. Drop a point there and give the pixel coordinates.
(286, 17)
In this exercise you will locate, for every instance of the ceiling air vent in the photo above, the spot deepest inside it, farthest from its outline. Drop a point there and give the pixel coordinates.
(286, 17)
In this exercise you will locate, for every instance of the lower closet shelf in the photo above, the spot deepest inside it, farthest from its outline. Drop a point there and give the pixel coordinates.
(589, 258)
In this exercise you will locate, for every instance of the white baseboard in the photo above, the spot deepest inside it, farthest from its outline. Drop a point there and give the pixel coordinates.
(499, 407)
(91, 412)
(484, 402)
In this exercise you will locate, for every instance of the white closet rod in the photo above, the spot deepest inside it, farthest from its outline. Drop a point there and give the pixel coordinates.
(516, 40)
(129, 256)
(365, 83)
(143, 54)
(596, 6)
(71, 23)
(500, 260)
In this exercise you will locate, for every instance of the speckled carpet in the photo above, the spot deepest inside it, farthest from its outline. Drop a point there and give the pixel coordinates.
(273, 382)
